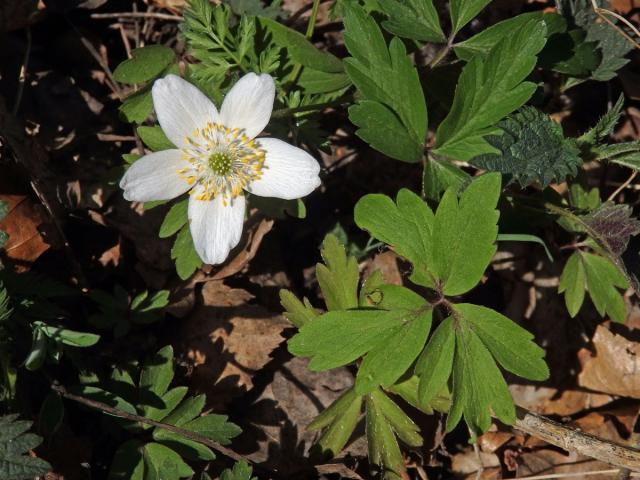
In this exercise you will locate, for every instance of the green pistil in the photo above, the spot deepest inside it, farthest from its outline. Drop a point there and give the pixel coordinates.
(220, 163)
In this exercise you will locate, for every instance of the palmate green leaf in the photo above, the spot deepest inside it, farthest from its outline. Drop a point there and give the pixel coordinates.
(488, 89)
(128, 462)
(340, 420)
(300, 49)
(163, 463)
(384, 452)
(146, 63)
(340, 337)
(338, 276)
(405, 225)
(602, 279)
(176, 219)
(15, 463)
(414, 19)
(464, 235)
(297, 312)
(385, 75)
(155, 138)
(463, 11)
(532, 148)
(510, 344)
(184, 254)
(573, 283)
(478, 385)
(436, 362)
(388, 361)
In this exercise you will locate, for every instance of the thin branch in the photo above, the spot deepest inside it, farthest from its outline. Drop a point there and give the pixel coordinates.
(574, 440)
(116, 412)
(572, 475)
(156, 15)
(633, 175)
(23, 73)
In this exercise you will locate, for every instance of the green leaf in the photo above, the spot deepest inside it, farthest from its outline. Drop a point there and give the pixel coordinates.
(103, 396)
(464, 235)
(414, 19)
(176, 219)
(483, 42)
(128, 462)
(605, 125)
(240, 471)
(215, 427)
(436, 362)
(184, 254)
(408, 390)
(338, 277)
(405, 225)
(402, 425)
(137, 106)
(384, 451)
(316, 81)
(510, 344)
(15, 463)
(154, 138)
(157, 374)
(388, 361)
(68, 337)
(463, 11)
(171, 399)
(523, 237)
(478, 386)
(340, 337)
(187, 448)
(395, 297)
(439, 175)
(570, 54)
(532, 148)
(300, 49)
(602, 279)
(387, 76)
(297, 312)
(341, 419)
(383, 130)
(162, 463)
(488, 89)
(573, 283)
(146, 64)
(186, 411)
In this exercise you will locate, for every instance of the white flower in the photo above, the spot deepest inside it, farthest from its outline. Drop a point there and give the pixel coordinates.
(217, 158)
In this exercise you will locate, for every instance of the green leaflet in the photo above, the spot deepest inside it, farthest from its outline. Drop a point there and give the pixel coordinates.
(573, 283)
(414, 19)
(241, 470)
(436, 361)
(297, 312)
(184, 254)
(602, 279)
(146, 64)
(340, 420)
(384, 452)
(162, 463)
(338, 277)
(488, 89)
(463, 11)
(532, 148)
(439, 175)
(464, 235)
(154, 138)
(388, 81)
(175, 219)
(402, 425)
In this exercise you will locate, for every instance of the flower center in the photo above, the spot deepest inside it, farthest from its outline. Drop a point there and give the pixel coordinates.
(224, 161)
(220, 163)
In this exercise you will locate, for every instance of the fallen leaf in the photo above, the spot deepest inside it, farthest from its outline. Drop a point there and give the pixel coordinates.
(614, 367)
(26, 243)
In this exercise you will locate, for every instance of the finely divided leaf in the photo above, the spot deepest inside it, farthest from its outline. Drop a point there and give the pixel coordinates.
(488, 89)
(532, 148)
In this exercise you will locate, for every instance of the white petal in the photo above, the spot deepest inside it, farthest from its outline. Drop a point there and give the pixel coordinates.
(216, 228)
(289, 172)
(249, 103)
(155, 177)
(181, 108)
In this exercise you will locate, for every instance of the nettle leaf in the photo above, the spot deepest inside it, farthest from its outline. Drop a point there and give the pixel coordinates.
(614, 225)
(488, 89)
(340, 420)
(405, 225)
(463, 11)
(15, 463)
(339, 276)
(532, 149)
(414, 19)
(389, 83)
(464, 235)
(602, 279)
(146, 63)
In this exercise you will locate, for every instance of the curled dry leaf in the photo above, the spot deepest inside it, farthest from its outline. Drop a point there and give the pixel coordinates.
(614, 367)
(23, 224)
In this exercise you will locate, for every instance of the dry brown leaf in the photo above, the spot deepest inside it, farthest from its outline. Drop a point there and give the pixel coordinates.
(25, 243)
(551, 401)
(614, 368)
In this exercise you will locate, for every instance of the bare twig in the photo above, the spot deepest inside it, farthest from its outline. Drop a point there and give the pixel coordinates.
(549, 476)
(156, 15)
(23, 74)
(576, 441)
(116, 412)
(633, 175)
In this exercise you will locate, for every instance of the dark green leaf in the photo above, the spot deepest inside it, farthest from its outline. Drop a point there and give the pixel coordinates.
(341, 419)
(186, 411)
(157, 373)
(187, 448)
(215, 427)
(532, 149)
(316, 81)
(171, 399)
(137, 106)
(605, 125)
(146, 64)
(176, 219)
(128, 463)
(15, 463)
(103, 396)
(463, 11)
(162, 463)
(184, 254)
(488, 89)
(523, 237)
(414, 19)
(439, 175)
(69, 337)
(240, 471)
